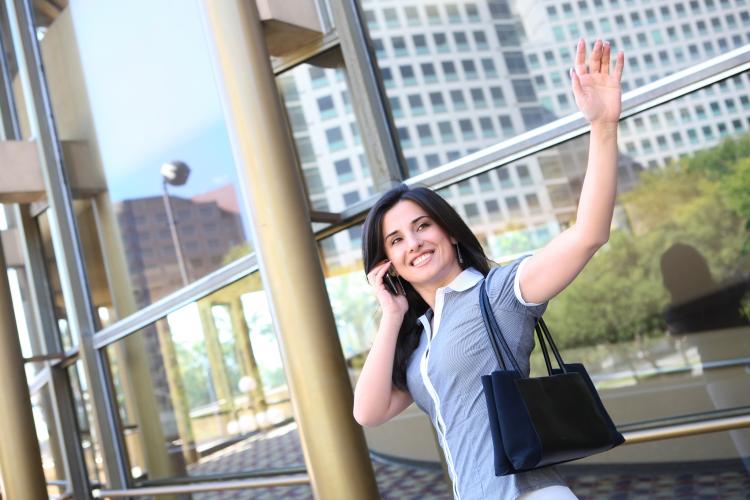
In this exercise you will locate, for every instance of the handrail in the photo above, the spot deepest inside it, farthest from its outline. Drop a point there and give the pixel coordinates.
(689, 429)
(290, 480)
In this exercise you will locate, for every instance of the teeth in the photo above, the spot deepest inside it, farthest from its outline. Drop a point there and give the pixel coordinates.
(421, 259)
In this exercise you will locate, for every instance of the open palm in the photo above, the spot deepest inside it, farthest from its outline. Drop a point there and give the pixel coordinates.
(597, 90)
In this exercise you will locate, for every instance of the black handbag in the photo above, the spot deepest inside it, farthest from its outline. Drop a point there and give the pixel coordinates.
(541, 421)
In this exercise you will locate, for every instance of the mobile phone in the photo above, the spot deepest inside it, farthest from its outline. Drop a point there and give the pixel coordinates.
(391, 278)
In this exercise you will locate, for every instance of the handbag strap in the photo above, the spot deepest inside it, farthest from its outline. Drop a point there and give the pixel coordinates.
(493, 330)
(541, 328)
(495, 334)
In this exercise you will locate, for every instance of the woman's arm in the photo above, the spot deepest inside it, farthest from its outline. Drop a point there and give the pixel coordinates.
(598, 95)
(375, 399)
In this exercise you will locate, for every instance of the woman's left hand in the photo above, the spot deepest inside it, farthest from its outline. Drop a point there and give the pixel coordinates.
(597, 91)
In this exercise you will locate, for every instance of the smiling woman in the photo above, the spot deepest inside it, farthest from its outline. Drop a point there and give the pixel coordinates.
(430, 348)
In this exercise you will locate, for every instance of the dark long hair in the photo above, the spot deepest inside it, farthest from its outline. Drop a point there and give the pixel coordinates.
(373, 253)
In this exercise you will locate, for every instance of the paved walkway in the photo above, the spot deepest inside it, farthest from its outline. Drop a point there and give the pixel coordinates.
(280, 447)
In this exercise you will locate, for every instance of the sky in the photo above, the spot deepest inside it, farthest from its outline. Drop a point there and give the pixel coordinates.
(153, 94)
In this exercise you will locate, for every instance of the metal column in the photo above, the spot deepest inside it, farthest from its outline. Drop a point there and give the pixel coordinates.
(65, 241)
(20, 457)
(334, 445)
(42, 316)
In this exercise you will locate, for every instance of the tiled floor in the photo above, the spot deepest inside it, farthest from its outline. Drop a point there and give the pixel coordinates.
(280, 448)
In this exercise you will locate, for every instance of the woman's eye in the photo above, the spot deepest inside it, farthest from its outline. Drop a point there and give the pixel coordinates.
(422, 226)
(395, 240)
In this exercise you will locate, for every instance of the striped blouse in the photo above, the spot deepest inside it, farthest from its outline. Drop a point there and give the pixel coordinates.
(443, 376)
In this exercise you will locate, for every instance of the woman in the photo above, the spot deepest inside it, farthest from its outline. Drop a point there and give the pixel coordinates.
(431, 347)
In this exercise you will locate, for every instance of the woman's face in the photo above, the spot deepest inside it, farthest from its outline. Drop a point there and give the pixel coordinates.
(419, 249)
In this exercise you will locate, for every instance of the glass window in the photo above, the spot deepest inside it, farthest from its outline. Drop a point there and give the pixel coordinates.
(213, 375)
(515, 62)
(326, 107)
(477, 95)
(498, 98)
(428, 72)
(118, 127)
(437, 102)
(335, 138)
(420, 44)
(441, 42)
(506, 125)
(507, 35)
(446, 131)
(449, 71)
(412, 16)
(472, 12)
(396, 109)
(467, 129)
(470, 69)
(403, 135)
(457, 97)
(425, 135)
(391, 18)
(487, 128)
(433, 15)
(399, 46)
(480, 40)
(416, 106)
(407, 75)
(524, 90)
(461, 40)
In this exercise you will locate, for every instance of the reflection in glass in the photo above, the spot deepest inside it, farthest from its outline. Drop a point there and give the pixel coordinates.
(49, 444)
(83, 409)
(215, 378)
(522, 51)
(126, 101)
(325, 131)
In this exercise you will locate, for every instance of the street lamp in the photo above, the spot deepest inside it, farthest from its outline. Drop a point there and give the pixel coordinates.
(175, 173)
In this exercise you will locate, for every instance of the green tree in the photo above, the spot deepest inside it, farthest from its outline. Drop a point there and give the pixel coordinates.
(703, 201)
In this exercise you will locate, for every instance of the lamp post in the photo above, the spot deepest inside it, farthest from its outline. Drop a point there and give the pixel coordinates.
(175, 173)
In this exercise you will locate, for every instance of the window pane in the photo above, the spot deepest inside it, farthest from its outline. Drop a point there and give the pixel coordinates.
(525, 53)
(130, 95)
(213, 372)
(326, 139)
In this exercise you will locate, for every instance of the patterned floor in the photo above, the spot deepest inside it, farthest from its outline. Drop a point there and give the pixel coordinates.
(280, 448)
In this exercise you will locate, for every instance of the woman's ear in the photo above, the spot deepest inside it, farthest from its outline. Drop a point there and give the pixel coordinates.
(453, 240)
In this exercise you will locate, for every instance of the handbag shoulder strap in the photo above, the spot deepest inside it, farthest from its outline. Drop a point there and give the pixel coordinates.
(493, 330)
(498, 342)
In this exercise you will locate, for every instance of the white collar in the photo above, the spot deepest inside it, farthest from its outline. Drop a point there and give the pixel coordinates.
(467, 279)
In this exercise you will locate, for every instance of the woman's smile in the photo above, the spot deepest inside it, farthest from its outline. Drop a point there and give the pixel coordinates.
(422, 259)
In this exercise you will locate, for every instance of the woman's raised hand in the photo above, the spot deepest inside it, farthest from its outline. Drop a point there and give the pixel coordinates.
(393, 305)
(596, 89)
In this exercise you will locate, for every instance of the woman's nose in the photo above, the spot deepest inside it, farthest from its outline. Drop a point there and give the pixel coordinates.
(414, 243)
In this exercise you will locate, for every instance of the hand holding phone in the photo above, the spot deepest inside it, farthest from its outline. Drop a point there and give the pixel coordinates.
(393, 282)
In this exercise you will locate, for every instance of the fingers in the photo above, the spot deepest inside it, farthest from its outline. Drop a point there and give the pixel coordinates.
(595, 61)
(580, 64)
(375, 276)
(576, 81)
(606, 50)
(619, 65)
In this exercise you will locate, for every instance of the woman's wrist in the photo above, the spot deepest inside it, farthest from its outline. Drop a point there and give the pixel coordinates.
(392, 318)
(604, 128)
